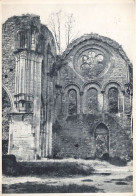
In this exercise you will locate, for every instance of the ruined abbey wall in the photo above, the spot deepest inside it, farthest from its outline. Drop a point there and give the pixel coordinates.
(84, 105)
(77, 105)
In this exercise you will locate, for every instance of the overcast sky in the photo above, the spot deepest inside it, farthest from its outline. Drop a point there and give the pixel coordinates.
(115, 21)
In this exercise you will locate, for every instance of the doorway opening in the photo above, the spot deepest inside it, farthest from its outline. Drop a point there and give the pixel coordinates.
(101, 140)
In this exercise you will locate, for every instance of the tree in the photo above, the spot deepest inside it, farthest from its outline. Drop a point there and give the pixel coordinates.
(54, 23)
(62, 27)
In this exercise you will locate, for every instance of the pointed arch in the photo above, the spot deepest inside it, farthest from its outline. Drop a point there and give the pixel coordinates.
(101, 136)
(9, 95)
(102, 127)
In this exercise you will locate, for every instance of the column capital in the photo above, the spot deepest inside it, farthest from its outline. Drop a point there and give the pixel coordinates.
(81, 93)
(102, 91)
(123, 92)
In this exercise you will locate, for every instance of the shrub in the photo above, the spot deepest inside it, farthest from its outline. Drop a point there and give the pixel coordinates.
(56, 151)
(9, 165)
(105, 156)
(31, 187)
(52, 169)
(8, 160)
(117, 161)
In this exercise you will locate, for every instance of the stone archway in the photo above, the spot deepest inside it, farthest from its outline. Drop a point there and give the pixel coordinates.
(101, 140)
(6, 107)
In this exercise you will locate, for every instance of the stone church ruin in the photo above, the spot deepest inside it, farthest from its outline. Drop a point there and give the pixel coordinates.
(78, 105)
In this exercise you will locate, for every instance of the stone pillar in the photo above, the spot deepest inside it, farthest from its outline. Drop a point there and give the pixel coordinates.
(23, 56)
(50, 110)
(47, 138)
(37, 101)
(102, 101)
(10, 137)
(19, 80)
(16, 75)
(28, 70)
(44, 143)
(21, 140)
(121, 102)
(81, 102)
(123, 94)
(84, 102)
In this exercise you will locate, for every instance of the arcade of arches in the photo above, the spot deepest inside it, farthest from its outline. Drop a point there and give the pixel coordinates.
(77, 106)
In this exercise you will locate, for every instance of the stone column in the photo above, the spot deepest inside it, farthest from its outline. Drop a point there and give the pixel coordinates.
(50, 102)
(121, 102)
(23, 71)
(37, 101)
(81, 102)
(16, 72)
(123, 94)
(47, 134)
(10, 136)
(17, 75)
(20, 67)
(44, 142)
(32, 75)
(102, 101)
(84, 102)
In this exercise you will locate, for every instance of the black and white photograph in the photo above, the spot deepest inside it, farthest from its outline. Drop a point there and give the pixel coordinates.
(67, 96)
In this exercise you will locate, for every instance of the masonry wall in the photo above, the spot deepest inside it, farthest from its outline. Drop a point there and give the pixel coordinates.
(73, 135)
(22, 137)
(8, 59)
(25, 47)
(47, 128)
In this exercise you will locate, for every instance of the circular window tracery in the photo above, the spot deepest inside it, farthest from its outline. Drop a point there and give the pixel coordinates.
(91, 62)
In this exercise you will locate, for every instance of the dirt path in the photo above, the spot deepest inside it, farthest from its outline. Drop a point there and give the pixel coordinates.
(107, 177)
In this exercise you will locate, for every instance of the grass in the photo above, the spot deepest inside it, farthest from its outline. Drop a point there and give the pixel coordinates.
(30, 187)
(58, 169)
(87, 180)
(127, 179)
(101, 174)
(121, 183)
(107, 181)
(116, 161)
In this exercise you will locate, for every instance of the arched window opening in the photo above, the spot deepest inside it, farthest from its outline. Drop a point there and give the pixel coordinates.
(72, 105)
(22, 39)
(113, 100)
(92, 100)
(41, 43)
